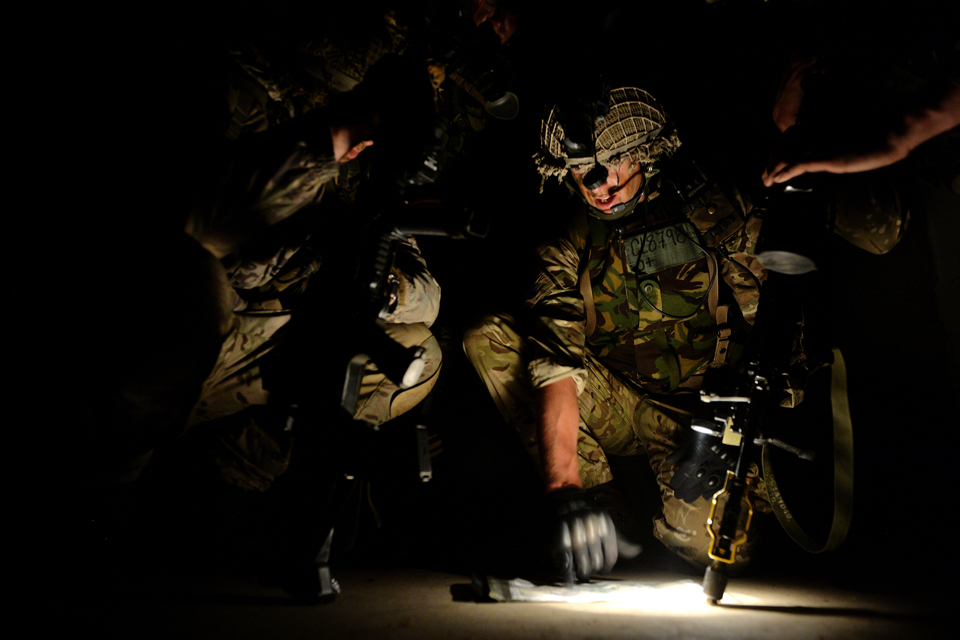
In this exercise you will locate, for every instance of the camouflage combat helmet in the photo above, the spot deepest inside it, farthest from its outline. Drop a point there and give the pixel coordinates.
(636, 128)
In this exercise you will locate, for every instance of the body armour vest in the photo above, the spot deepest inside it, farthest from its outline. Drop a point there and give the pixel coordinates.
(655, 278)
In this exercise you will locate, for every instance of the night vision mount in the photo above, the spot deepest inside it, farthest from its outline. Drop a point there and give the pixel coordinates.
(587, 106)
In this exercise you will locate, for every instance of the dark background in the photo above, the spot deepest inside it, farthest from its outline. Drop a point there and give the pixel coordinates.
(105, 108)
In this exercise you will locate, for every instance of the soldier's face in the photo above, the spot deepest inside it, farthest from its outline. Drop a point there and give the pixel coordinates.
(621, 186)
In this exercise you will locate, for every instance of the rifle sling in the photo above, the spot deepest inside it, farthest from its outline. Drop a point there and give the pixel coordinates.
(842, 470)
(586, 291)
(842, 429)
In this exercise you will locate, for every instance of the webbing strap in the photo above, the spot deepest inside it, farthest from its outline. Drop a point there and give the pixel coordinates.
(719, 314)
(842, 470)
(673, 367)
(586, 290)
(723, 335)
(468, 86)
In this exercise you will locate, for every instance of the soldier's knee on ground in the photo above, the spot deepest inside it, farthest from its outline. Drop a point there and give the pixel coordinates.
(683, 530)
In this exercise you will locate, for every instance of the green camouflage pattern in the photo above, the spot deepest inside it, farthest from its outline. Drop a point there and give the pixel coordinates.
(638, 371)
(655, 329)
(641, 363)
(615, 418)
(867, 211)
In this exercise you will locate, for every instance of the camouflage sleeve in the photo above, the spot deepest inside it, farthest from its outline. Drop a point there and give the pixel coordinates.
(418, 298)
(868, 212)
(265, 179)
(252, 270)
(869, 209)
(558, 336)
(743, 273)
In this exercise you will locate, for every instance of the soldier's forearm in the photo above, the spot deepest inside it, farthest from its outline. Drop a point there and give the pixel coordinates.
(928, 121)
(558, 420)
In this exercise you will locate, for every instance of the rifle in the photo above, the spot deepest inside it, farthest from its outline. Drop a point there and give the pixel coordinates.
(734, 420)
(363, 242)
(378, 287)
(737, 410)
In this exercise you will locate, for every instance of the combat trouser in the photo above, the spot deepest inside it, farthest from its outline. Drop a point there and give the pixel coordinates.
(615, 418)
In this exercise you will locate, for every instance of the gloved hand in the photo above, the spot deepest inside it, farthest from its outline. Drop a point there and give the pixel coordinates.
(581, 535)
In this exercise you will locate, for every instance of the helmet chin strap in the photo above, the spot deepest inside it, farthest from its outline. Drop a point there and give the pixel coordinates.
(617, 211)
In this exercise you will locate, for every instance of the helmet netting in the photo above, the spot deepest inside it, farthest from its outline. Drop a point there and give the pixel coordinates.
(636, 128)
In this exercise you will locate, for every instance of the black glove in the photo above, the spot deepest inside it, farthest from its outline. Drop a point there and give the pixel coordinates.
(582, 538)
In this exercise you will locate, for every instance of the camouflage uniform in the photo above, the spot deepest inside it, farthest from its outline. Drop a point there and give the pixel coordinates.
(637, 303)
(280, 185)
(655, 336)
(264, 182)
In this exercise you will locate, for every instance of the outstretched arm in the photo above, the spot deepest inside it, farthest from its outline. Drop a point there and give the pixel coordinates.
(883, 148)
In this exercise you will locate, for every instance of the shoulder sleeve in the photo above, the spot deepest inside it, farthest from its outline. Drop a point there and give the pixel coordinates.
(557, 339)
(868, 211)
(264, 179)
(743, 273)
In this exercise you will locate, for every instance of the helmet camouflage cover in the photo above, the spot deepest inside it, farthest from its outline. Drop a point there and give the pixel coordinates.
(636, 128)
